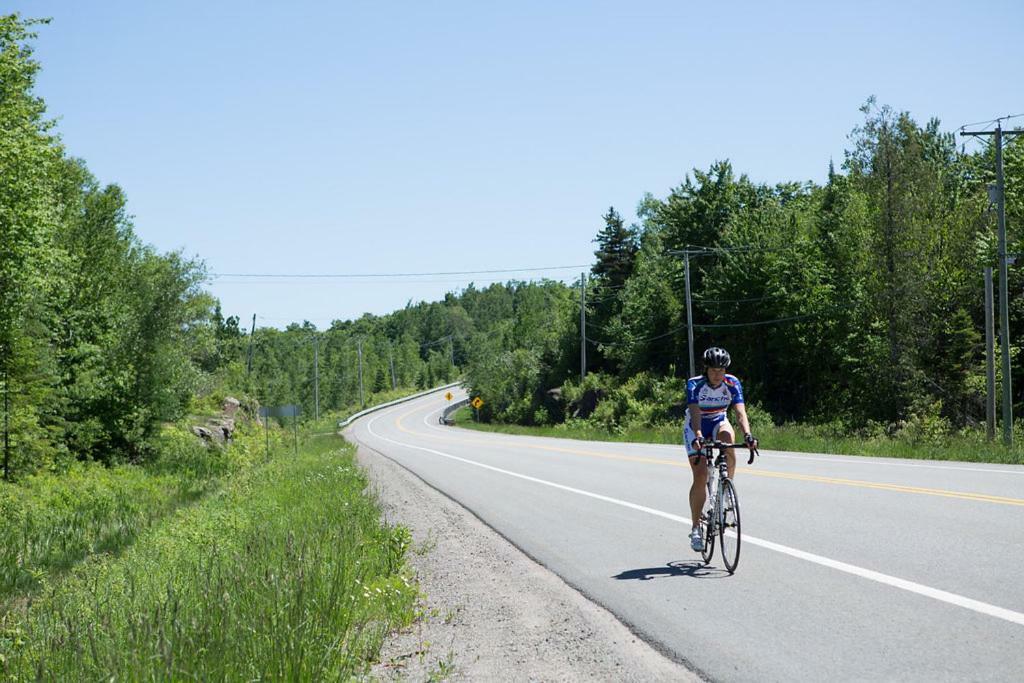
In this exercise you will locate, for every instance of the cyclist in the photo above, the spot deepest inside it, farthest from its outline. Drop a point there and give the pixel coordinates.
(709, 397)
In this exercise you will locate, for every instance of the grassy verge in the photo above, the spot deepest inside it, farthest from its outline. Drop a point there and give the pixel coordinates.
(50, 521)
(968, 447)
(285, 573)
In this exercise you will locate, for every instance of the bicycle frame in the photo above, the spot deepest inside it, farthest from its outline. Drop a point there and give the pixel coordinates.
(718, 471)
(719, 515)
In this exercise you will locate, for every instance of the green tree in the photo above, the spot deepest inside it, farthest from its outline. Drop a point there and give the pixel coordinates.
(28, 215)
(616, 257)
(902, 168)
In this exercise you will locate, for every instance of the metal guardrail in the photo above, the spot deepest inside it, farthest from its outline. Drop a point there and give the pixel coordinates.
(446, 416)
(350, 419)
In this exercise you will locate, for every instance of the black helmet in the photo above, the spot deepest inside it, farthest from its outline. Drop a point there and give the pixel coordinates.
(716, 357)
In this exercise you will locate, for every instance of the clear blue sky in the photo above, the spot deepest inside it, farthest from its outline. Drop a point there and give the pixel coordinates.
(384, 137)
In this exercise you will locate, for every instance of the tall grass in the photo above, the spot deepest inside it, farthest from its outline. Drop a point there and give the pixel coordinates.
(965, 446)
(50, 521)
(285, 573)
(969, 446)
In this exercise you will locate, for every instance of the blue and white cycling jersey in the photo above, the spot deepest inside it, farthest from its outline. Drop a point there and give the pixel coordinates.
(713, 403)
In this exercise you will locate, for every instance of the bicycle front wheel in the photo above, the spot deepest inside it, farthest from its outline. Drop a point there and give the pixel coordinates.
(709, 535)
(729, 529)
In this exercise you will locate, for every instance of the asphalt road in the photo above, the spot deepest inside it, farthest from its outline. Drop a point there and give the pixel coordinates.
(851, 568)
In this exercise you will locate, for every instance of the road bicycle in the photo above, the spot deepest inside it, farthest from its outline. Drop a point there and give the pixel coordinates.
(721, 515)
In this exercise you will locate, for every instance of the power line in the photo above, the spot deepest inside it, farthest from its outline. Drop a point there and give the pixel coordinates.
(292, 320)
(978, 123)
(602, 299)
(766, 297)
(643, 340)
(755, 323)
(600, 328)
(990, 121)
(338, 282)
(758, 322)
(445, 338)
(598, 286)
(739, 249)
(387, 275)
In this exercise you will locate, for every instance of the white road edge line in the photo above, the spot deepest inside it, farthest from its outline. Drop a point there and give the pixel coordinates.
(434, 427)
(920, 589)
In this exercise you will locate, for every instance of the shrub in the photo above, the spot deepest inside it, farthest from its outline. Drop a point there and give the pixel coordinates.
(925, 426)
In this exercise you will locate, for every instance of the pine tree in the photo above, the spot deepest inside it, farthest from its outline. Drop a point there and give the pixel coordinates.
(616, 259)
(616, 253)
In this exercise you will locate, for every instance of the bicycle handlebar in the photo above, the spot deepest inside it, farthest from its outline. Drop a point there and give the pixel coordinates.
(709, 446)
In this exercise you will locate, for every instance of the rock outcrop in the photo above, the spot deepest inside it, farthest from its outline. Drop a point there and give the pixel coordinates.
(220, 429)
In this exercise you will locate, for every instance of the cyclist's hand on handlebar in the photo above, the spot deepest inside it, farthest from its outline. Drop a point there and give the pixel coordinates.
(752, 445)
(697, 444)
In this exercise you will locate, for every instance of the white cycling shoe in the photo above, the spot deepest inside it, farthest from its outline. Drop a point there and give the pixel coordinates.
(695, 540)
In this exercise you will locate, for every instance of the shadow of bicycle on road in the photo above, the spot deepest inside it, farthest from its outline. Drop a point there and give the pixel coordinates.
(692, 569)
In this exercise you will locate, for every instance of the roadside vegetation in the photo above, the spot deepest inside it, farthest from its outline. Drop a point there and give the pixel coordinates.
(130, 549)
(853, 310)
(51, 521)
(284, 572)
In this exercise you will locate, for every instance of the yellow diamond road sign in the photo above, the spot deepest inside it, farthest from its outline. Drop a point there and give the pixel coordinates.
(477, 402)
(448, 396)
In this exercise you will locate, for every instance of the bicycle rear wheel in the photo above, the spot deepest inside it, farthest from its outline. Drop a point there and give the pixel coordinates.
(729, 530)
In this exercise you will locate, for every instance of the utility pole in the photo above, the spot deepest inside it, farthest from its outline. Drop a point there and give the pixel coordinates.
(583, 326)
(451, 352)
(689, 315)
(252, 333)
(990, 359)
(1004, 307)
(391, 361)
(359, 345)
(316, 376)
(1004, 304)
(686, 253)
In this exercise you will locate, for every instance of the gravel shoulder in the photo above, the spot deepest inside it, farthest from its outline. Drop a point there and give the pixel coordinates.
(489, 612)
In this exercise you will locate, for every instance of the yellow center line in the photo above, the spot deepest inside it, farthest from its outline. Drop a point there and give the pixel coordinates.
(575, 451)
(893, 487)
(681, 462)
